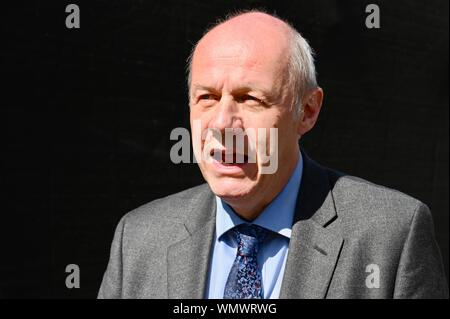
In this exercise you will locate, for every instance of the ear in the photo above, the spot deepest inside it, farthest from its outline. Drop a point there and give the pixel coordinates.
(311, 109)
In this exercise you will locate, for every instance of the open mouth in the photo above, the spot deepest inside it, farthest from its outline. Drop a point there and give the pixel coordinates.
(229, 158)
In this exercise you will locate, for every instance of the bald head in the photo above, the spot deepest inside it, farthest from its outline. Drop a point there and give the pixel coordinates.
(253, 31)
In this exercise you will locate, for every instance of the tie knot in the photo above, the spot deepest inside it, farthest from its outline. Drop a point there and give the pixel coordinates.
(248, 237)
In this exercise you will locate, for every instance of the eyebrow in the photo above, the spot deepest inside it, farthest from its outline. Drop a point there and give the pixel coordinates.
(242, 89)
(203, 87)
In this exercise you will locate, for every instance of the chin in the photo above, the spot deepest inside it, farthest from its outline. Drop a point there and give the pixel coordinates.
(232, 190)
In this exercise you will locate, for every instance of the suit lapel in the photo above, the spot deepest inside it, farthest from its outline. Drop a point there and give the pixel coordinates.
(188, 259)
(313, 249)
(311, 261)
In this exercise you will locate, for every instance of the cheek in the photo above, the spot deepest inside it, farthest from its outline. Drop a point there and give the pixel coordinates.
(268, 119)
(285, 137)
(200, 116)
(194, 114)
(262, 140)
(198, 120)
(197, 127)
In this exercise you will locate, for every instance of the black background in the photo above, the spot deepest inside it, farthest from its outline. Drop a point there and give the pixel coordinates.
(88, 113)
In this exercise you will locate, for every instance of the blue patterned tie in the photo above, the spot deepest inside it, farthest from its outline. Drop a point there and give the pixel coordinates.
(244, 280)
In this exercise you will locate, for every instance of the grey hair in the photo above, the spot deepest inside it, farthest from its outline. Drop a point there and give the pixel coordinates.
(301, 69)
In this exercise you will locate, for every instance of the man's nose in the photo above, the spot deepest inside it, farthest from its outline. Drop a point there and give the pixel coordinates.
(226, 114)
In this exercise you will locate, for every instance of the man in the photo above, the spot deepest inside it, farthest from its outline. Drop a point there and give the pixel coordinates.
(303, 231)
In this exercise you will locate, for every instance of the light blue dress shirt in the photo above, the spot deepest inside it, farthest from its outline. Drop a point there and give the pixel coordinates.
(277, 217)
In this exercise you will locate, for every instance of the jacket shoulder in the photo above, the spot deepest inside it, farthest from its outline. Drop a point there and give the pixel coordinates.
(160, 222)
(359, 201)
(173, 208)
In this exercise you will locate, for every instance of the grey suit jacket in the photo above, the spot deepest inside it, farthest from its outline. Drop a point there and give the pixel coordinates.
(350, 239)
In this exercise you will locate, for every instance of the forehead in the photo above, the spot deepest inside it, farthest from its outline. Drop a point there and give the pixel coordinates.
(243, 50)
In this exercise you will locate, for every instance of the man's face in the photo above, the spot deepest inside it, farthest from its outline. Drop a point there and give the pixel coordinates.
(240, 82)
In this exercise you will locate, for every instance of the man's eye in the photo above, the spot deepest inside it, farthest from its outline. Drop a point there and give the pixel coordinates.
(247, 97)
(208, 97)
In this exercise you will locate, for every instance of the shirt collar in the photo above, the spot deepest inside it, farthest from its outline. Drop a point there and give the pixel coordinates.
(277, 216)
